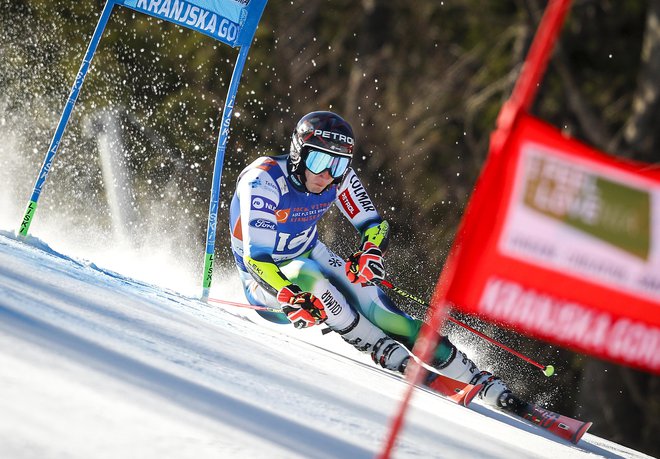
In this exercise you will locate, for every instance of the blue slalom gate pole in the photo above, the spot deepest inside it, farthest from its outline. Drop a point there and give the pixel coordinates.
(217, 170)
(64, 119)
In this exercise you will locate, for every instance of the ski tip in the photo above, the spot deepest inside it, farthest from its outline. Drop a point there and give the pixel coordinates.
(581, 431)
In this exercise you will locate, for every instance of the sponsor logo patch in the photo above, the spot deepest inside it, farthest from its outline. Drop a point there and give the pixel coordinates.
(334, 136)
(348, 204)
(331, 305)
(360, 194)
(261, 203)
(282, 215)
(284, 188)
(260, 223)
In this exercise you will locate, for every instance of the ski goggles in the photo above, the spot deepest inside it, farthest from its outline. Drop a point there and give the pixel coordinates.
(319, 161)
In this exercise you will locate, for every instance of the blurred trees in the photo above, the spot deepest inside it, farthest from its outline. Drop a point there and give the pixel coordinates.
(421, 82)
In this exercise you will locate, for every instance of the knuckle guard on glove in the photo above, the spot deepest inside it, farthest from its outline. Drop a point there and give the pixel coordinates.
(302, 308)
(365, 265)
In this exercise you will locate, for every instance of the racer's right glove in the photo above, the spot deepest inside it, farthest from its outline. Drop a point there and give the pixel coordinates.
(365, 265)
(302, 308)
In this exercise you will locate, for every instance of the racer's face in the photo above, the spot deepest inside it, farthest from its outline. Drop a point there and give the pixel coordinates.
(316, 183)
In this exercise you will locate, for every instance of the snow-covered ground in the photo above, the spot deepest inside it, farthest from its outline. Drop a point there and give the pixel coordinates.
(96, 364)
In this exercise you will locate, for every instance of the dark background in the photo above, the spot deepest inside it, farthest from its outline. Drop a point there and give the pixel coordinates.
(421, 82)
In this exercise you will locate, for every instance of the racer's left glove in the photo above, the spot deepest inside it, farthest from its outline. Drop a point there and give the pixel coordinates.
(365, 265)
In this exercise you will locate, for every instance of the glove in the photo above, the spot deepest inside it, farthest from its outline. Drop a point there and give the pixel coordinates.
(302, 308)
(365, 265)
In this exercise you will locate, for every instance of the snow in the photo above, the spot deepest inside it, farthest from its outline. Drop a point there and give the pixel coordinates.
(97, 364)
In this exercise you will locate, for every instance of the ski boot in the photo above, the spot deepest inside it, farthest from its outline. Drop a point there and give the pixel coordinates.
(368, 338)
(460, 367)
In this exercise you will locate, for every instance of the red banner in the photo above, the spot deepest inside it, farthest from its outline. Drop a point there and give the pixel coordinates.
(562, 242)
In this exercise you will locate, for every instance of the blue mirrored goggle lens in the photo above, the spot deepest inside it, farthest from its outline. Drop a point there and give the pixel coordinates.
(318, 161)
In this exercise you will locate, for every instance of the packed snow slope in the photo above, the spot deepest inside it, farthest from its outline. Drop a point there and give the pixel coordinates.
(95, 364)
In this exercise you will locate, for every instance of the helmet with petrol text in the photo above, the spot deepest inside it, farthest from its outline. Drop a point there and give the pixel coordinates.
(321, 141)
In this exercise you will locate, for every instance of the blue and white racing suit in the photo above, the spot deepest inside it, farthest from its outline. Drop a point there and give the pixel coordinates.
(275, 243)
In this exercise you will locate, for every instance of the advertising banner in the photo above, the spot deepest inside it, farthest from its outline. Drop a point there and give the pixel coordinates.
(562, 242)
(219, 19)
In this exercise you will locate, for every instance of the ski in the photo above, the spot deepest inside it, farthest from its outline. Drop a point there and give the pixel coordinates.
(557, 424)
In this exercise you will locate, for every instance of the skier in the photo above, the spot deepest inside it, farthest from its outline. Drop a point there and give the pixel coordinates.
(283, 264)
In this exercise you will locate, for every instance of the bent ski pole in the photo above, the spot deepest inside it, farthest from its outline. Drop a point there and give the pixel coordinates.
(547, 370)
(244, 305)
(324, 331)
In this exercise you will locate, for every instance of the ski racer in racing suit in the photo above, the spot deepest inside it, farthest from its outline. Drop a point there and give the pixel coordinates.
(283, 264)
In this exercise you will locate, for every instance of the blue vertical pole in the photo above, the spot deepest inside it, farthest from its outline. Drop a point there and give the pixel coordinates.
(64, 119)
(217, 170)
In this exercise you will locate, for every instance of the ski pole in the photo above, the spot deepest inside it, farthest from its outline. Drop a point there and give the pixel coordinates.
(547, 370)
